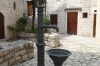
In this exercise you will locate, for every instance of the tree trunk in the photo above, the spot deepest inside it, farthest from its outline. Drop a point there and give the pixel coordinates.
(33, 15)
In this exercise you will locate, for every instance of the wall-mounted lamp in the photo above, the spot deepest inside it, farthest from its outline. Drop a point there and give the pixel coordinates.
(14, 5)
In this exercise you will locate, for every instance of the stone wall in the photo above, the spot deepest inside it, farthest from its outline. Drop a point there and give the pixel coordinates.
(53, 7)
(13, 54)
(11, 15)
(85, 25)
(98, 24)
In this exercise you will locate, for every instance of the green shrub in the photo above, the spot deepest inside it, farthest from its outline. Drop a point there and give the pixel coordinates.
(35, 30)
(22, 22)
(46, 21)
(28, 31)
(20, 25)
(13, 28)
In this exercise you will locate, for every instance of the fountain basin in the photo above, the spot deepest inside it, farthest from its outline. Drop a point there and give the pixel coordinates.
(58, 55)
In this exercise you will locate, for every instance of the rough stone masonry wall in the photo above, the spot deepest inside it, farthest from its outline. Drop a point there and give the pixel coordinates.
(11, 15)
(57, 7)
(84, 26)
(16, 54)
(52, 40)
(98, 24)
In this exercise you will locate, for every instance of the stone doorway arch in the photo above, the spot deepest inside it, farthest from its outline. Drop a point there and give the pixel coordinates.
(1, 26)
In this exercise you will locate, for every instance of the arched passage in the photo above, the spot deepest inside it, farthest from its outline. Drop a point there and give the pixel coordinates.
(1, 26)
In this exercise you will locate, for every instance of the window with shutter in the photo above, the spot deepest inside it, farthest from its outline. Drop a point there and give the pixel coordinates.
(85, 15)
(54, 19)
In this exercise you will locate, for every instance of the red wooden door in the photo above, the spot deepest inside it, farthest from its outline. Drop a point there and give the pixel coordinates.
(94, 26)
(1, 26)
(72, 23)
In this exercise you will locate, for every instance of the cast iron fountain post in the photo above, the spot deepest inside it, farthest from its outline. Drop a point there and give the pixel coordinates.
(40, 44)
(57, 55)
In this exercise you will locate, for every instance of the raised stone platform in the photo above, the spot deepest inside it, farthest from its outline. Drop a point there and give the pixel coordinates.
(52, 40)
(30, 36)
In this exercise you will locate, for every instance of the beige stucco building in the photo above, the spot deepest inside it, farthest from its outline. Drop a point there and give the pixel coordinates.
(76, 17)
(10, 12)
(71, 16)
(98, 24)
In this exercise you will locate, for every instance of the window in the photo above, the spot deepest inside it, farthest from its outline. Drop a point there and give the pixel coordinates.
(54, 18)
(85, 15)
(95, 10)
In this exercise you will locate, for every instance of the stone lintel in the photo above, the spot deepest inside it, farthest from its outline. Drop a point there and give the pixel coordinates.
(73, 9)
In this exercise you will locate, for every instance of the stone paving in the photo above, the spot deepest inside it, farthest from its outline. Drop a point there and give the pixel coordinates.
(84, 52)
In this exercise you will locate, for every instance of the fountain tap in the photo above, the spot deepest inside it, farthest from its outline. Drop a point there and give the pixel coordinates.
(50, 26)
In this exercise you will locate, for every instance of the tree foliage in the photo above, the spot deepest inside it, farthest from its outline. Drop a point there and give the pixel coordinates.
(41, 2)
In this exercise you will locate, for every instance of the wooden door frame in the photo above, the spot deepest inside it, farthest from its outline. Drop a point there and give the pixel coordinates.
(94, 24)
(77, 21)
(3, 25)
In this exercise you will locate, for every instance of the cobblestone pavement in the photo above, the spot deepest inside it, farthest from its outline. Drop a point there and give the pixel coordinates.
(84, 52)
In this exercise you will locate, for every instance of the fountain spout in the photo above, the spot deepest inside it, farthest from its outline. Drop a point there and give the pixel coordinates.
(51, 26)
